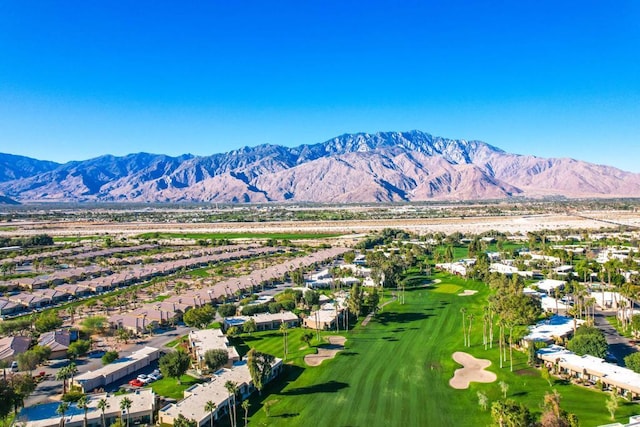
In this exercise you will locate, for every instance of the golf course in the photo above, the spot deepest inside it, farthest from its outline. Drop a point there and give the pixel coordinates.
(396, 370)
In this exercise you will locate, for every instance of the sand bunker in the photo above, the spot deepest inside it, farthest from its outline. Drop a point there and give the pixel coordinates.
(467, 292)
(336, 343)
(473, 370)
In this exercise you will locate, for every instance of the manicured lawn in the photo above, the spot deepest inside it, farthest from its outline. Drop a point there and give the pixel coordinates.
(169, 387)
(613, 321)
(396, 371)
(447, 288)
(177, 341)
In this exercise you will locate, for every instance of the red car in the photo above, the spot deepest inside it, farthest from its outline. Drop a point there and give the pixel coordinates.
(136, 383)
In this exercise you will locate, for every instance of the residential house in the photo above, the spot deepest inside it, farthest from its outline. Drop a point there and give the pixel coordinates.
(10, 347)
(210, 339)
(623, 381)
(143, 407)
(197, 396)
(264, 321)
(57, 341)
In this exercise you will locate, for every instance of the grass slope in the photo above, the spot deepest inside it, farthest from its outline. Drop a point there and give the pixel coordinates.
(395, 371)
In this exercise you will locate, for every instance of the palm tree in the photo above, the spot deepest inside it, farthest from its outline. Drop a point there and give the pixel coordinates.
(470, 317)
(501, 324)
(125, 405)
(232, 389)
(83, 403)
(245, 406)
(283, 328)
(63, 375)
(73, 370)
(103, 404)
(210, 407)
(316, 310)
(62, 410)
(463, 310)
(504, 387)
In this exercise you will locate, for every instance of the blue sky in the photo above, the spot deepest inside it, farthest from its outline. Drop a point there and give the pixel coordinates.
(554, 79)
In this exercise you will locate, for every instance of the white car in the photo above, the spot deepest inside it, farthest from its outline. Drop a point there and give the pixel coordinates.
(155, 376)
(144, 379)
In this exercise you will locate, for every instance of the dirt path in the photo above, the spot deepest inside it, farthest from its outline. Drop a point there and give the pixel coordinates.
(367, 319)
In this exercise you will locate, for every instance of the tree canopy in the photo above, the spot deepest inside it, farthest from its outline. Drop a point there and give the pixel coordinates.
(199, 317)
(259, 367)
(216, 359)
(588, 340)
(632, 362)
(48, 321)
(174, 364)
(227, 310)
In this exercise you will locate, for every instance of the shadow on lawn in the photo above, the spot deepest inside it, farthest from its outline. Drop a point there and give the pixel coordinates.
(391, 317)
(287, 415)
(328, 387)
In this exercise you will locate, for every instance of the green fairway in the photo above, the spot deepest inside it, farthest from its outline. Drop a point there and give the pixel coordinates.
(396, 371)
(447, 288)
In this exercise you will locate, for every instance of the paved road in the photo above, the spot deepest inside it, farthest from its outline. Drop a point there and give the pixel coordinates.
(619, 346)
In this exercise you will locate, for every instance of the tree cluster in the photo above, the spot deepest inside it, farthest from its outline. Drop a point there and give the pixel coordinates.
(199, 317)
(14, 389)
(27, 242)
(588, 340)
(175, 364)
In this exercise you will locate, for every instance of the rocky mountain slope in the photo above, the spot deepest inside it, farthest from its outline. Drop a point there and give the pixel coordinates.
(388, 166)
(16, 167)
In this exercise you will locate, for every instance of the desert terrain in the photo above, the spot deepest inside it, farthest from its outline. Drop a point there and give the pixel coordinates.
(514, 224)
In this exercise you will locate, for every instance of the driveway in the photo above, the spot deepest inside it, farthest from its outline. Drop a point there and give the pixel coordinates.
(619, 346)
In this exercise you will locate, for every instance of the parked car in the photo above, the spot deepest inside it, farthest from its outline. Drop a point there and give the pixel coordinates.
(136, 383)
(14, 366)
(155, 376)
(144, 379)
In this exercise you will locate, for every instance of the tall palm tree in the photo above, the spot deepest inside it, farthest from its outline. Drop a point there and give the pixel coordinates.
(125, 405)
(210, 407)
(316, 309)
(63, 375)
(245, 406)
(284, 329)
(83, 403)
(232, 389)
(62, 410)
(501, 325)
(463, 310)
(103, 404)
(73, 370)
(470, 317)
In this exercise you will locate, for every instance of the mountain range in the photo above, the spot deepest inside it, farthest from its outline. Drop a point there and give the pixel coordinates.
(380, 167)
